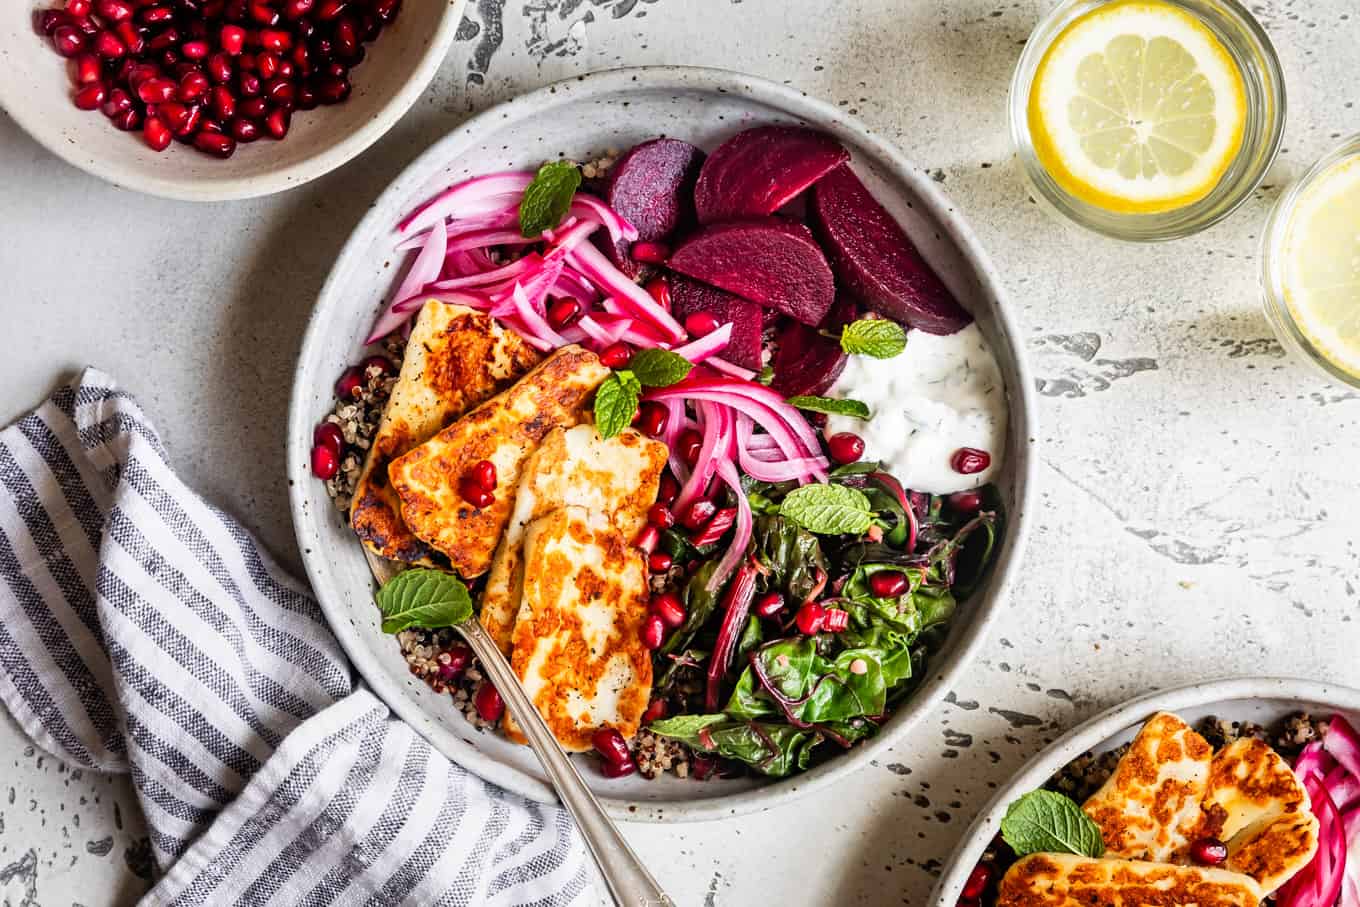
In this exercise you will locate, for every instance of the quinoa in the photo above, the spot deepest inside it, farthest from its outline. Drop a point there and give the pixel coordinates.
(428, 655)
(599, 167)
(358, 419)
(655, 755)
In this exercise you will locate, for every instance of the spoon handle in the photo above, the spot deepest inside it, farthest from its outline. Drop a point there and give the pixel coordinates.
(629, 881)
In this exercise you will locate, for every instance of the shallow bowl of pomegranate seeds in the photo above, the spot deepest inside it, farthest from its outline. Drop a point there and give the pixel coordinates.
(1283, 711)
(583, 119)
(208, 100)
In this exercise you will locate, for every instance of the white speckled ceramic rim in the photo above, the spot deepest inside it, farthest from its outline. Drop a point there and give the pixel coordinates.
(1225, 697)
(961, 648)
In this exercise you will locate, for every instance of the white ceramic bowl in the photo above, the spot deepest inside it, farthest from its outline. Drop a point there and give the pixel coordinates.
(1260, 699)
(581, 118)
(36, 91)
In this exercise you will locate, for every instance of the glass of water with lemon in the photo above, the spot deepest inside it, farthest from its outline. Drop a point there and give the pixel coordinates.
(1147, 119)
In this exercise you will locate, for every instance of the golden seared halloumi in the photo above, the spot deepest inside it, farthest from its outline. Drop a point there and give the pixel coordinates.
(456, 358)
(504, 430)
(578, 637)
(1069, 880)
(617, 477)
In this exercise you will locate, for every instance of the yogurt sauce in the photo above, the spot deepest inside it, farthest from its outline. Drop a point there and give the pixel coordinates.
(943, 393)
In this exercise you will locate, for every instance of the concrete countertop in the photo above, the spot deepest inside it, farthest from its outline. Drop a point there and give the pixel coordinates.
(1197, 493)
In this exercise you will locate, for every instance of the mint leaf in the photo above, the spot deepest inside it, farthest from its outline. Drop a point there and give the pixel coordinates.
(766, 376)
(828, 509)
(659, 368)
(686, 728)
(1043, 821)
(548, 197)
(616, 402)
(423, 598)
(877, 337)
(831, 406)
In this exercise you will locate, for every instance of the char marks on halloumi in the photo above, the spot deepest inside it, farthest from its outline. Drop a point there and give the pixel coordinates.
(617, 477)
(504, 430)
(578, 638)
(1069, 880)
(455, 359)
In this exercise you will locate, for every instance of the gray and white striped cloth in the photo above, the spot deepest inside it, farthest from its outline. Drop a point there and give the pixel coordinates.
(144, 631)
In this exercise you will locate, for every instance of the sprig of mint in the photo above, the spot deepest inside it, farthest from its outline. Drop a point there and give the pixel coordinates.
(616, 401)
(548, 197)
(876, 337)
(421, 597)
(828, 509)
(1044, 821)
(832, 406)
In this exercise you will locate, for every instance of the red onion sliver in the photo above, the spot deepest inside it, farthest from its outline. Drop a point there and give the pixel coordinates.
(424, 270)
(737, 549)
(709, 345)
(476, 197)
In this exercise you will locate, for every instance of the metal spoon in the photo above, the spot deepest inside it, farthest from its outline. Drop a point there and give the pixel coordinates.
(629, 882)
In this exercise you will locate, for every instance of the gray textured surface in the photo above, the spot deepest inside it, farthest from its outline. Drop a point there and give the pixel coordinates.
(1199, 496)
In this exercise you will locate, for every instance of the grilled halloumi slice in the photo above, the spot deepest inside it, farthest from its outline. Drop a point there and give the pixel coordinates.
(1069, 880)
(504, 430)
(456, 358)
(617, 477)
(1170, 789)
(578, 638)
(1150, 806)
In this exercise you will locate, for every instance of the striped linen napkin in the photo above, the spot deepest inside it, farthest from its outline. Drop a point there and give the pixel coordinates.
(144, 631)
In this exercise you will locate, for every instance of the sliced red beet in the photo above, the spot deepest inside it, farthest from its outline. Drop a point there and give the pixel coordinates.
(757, 172)
(809, 362)
(774, 262)
(690, 296)
(875, 259)
(653, 186)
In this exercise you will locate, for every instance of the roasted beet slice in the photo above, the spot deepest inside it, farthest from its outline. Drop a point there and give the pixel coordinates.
(653, 186)
(875, 259)
(774, 262)
(809, 362)
(757, 172)
(690, 296)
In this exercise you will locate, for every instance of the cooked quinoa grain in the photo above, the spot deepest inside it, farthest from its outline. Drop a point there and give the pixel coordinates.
(358, 420)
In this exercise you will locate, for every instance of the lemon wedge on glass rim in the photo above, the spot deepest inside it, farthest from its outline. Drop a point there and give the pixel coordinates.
(1321, 264)
(1137, 108)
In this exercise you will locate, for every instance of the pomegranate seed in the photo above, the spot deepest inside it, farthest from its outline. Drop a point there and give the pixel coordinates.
(381, 364)
(978, 880)
(332, 89)
(119, 101)
(699, 513)
(660, 516)
(970, 460)
(91, 96)
(232, 39)
(114, 10)
(49, 20)
(483, 472)
(768, 605)
(669, 607)
(192, 86)
(140, 73)
(653, 631)
(156, 91)
(350, 383)
(107, 45)
(223, 102)
(651, 253)
(652, 419)
(329, 9)
(616, 355)
(475, 494)
(128, 120)
(659, 288)
(346, 38)
(195, 50)
(965, 502)
(79, 7)
(490, 705)
(249, 84)
(253, 108)
(888, 583)
(810, 618)
(667, 489)
(386, 10)
(276, 40)
(325, 460)
(296, 9)
(609, 743)
(277, 123)
(165, 39)
(564, 313)
(243, 130)
(263, 14)
(210, 125)
(845, 447)
(458, 659)
(68, 41)
(220, 68)
(130, 36)
(659, 562)
(690, 444)
(267, 65)
(157, 135)
(329, 433)
(620, 770)
(1208, 851)
(173, 114)
(215, 144)
(156, 15)
(647, 539)
(656, 710)
(88, 70)
(836, 621)
(700, 324)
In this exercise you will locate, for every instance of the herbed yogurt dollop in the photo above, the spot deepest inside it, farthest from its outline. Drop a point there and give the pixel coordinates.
(943, 393)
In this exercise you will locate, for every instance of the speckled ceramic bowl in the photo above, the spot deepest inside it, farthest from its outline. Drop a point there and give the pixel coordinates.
(581, 118)
(1259, 699)
(36, 91)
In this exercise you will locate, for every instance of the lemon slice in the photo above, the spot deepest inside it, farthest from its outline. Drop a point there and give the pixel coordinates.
(1137, 108)
(1322, 265)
